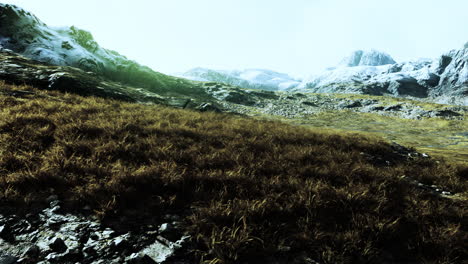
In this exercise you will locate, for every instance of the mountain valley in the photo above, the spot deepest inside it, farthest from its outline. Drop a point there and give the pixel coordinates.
(104, 160)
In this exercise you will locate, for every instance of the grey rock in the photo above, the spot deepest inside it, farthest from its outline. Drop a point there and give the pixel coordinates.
(208, 107)
(165, 228)
(395, 107)
(161, 249)
(7, 259)
(139, 259)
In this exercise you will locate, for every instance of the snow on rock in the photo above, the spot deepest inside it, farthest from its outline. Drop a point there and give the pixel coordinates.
(318, 82)
(456, 71)
(249, 78)
(358, 67)
(367, 58)
(24, 33)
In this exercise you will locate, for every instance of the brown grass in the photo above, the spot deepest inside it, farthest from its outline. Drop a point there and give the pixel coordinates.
(249, 190)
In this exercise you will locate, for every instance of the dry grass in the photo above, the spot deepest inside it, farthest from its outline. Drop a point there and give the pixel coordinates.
(249, 190)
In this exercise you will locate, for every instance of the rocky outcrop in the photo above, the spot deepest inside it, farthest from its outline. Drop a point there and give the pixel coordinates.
(53, 236)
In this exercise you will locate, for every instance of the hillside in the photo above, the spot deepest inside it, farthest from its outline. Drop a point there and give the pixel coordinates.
(25, 34)
(245, 190)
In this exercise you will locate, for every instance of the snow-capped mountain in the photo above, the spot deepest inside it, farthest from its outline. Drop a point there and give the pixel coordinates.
(249, 78)
(359, 66)
(375, 72)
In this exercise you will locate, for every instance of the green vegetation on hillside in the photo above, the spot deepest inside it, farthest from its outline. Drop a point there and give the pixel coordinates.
(249, 190)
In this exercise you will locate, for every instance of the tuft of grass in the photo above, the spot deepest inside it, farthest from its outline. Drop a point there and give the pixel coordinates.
(250, 190)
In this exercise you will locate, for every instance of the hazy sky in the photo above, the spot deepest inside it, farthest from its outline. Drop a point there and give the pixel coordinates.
(293, 36)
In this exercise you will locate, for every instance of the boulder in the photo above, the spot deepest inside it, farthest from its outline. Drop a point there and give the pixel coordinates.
(7, 259)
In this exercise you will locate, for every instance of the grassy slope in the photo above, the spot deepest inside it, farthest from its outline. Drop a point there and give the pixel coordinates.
(248, 189)
(440, 137)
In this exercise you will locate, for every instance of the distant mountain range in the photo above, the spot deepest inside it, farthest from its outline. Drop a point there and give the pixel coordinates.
(372, 72)
(444, 79)
(249, 78)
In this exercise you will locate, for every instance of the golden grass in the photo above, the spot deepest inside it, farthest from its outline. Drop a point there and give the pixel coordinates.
(249, 190)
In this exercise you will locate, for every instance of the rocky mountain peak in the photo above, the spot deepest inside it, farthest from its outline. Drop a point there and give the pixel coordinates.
(366, 58)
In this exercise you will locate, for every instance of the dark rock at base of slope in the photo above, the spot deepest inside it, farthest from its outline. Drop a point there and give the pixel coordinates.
(52, 236)
(7, 259)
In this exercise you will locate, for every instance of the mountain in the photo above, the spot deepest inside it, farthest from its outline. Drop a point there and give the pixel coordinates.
(249, 78)
(364, 72)
(441, 80)
(23, 33)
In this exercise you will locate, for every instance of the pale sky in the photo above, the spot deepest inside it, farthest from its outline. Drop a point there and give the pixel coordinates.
(298, 37)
